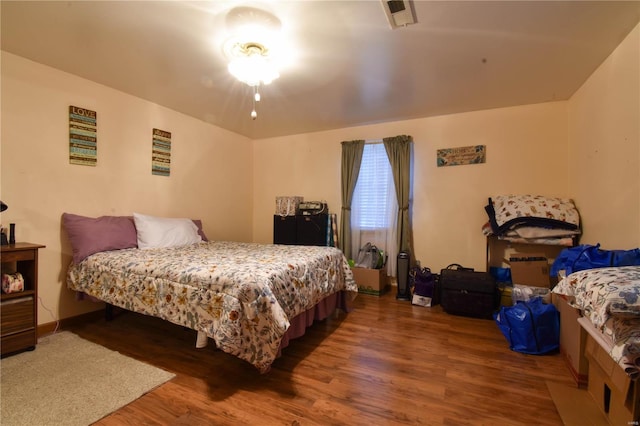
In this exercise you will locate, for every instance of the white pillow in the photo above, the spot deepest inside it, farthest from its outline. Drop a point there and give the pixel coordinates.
(156, 232)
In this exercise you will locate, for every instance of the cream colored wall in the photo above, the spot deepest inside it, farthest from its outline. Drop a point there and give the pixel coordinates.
(211, 170)
(592, 156)
(587, 148)
(604, 149)
(526, 153)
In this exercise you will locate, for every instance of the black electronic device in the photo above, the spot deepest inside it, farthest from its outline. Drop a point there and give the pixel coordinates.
(312, 207)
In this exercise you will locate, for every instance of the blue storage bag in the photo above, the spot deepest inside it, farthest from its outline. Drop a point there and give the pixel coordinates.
(587, 256)
(530, 327)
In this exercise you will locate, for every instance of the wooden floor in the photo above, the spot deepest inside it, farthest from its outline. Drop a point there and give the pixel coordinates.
(385, 363)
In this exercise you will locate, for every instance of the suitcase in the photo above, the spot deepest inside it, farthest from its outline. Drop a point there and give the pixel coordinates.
(468, 293)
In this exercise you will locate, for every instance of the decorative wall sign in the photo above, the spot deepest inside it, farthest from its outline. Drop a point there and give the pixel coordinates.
(83, 141)
(161, 153)
(463, 155)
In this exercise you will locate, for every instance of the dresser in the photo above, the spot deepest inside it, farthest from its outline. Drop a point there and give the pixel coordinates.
(19, 311)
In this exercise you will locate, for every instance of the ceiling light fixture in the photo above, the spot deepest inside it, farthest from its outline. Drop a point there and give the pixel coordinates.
(250, 64)
(254, 35)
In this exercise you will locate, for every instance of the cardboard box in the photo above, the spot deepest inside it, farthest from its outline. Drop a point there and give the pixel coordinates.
(371, 281)
(615, 394)
(530, 269)
(573, 339)
(575, 406)
(506, 298)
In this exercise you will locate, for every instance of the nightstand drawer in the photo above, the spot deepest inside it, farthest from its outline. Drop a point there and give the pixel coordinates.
(18, 256)
(18, 341)
(17, 315)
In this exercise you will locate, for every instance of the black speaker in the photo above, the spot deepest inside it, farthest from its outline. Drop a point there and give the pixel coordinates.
(403, 266)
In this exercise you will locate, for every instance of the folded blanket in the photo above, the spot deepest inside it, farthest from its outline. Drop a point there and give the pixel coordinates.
(509, 212)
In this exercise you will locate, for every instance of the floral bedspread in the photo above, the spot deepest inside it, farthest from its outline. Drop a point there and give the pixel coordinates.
(240, 294)
(610, 299)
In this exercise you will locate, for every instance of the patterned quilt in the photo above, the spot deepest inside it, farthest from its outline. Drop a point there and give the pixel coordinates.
(610, 299)
(534, 218)
(240, 294)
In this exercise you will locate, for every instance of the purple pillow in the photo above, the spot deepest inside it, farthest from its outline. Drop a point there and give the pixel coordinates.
(92, 235)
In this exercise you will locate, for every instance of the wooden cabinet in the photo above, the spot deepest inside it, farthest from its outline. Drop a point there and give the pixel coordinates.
(19, 311)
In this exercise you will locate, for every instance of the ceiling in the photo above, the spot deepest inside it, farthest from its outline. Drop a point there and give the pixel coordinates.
(350, 68)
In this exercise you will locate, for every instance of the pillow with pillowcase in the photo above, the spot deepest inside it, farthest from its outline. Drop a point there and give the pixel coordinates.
(89, 235)
(159, 232)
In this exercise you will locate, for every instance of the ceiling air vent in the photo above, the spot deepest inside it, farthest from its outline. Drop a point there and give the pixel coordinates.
(400, 13)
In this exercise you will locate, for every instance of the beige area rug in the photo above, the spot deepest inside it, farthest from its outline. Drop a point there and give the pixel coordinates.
(68, 380)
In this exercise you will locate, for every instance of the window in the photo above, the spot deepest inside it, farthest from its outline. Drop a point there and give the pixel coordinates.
(372, 193)
(374, 207)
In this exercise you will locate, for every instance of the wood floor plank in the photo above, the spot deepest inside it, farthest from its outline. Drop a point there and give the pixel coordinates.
(385, 363)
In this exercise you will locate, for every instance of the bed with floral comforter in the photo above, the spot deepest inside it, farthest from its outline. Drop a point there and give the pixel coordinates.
(610, 299)
(242, 295)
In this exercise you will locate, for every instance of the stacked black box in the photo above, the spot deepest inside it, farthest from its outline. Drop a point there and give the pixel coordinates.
(308, 230)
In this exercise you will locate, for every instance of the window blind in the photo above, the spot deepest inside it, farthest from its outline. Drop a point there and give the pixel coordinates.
(373, 187)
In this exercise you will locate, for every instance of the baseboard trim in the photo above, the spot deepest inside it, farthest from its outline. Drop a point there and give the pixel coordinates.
(50, 327)
(582, 380)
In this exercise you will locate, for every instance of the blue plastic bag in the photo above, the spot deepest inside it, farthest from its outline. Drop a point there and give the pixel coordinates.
(530, 327)
(586, 256)
(501, 275)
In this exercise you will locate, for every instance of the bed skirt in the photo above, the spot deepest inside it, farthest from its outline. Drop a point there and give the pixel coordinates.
(299, 324)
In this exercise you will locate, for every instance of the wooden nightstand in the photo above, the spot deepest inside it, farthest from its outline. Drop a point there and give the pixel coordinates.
(19, 311)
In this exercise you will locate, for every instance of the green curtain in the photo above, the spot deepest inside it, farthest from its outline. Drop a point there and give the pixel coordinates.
(351, 160)
(399, 150)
